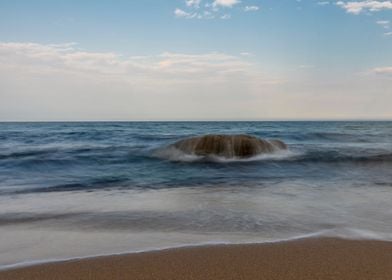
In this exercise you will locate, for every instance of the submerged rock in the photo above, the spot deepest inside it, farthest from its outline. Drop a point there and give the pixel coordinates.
(228, 146)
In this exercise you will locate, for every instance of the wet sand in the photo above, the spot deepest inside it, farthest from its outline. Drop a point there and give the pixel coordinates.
(305, 259)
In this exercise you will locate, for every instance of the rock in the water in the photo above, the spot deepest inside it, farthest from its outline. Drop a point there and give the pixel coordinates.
(228, 146)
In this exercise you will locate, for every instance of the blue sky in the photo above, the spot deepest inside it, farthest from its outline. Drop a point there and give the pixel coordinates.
(272, 59)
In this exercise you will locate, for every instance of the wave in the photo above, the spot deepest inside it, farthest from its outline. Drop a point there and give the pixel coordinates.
(341, 157)
(96, 184)
(27, 153)
(194, 222)
(88, 155)
(335, 137)
(347, 234)
(173, 154)
(55, 156)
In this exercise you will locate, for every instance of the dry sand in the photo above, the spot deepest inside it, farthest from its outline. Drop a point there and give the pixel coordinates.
(323, 258)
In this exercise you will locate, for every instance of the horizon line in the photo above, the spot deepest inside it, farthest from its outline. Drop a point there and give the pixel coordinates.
(201, 120)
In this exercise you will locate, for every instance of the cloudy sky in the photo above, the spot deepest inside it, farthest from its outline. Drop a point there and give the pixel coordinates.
(195, 60)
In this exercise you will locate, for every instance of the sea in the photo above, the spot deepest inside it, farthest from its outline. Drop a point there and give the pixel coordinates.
(80, 189)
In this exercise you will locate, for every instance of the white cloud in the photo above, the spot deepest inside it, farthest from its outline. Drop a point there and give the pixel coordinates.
(246, 54)
(357, 7)
(383, 23)
(225, 3)
(182, 14)
(60, 81)
(388, 34)
(66, 57)
(323, 3)
(251, 8)
(225, 16)
(193, 3)
(210, 10)
(386, 71)
(208, 15)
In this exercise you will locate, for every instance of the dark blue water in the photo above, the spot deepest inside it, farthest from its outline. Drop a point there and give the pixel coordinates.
(46, 157)
(118, 179)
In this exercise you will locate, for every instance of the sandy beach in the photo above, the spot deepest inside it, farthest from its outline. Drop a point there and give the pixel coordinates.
(314, 258)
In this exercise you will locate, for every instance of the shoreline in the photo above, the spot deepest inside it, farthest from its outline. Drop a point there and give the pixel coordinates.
(315, 235)
(302, 258)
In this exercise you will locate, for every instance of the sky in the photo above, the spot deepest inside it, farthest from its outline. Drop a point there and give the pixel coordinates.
(195, 60)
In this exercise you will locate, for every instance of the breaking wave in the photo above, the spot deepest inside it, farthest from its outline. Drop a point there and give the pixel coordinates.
(173, 154)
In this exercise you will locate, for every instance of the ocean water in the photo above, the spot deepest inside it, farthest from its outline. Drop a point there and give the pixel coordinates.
(81, 189)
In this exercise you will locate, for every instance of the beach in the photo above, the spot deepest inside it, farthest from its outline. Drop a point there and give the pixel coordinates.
(310, 258)
(87, 189)
(196, 140)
